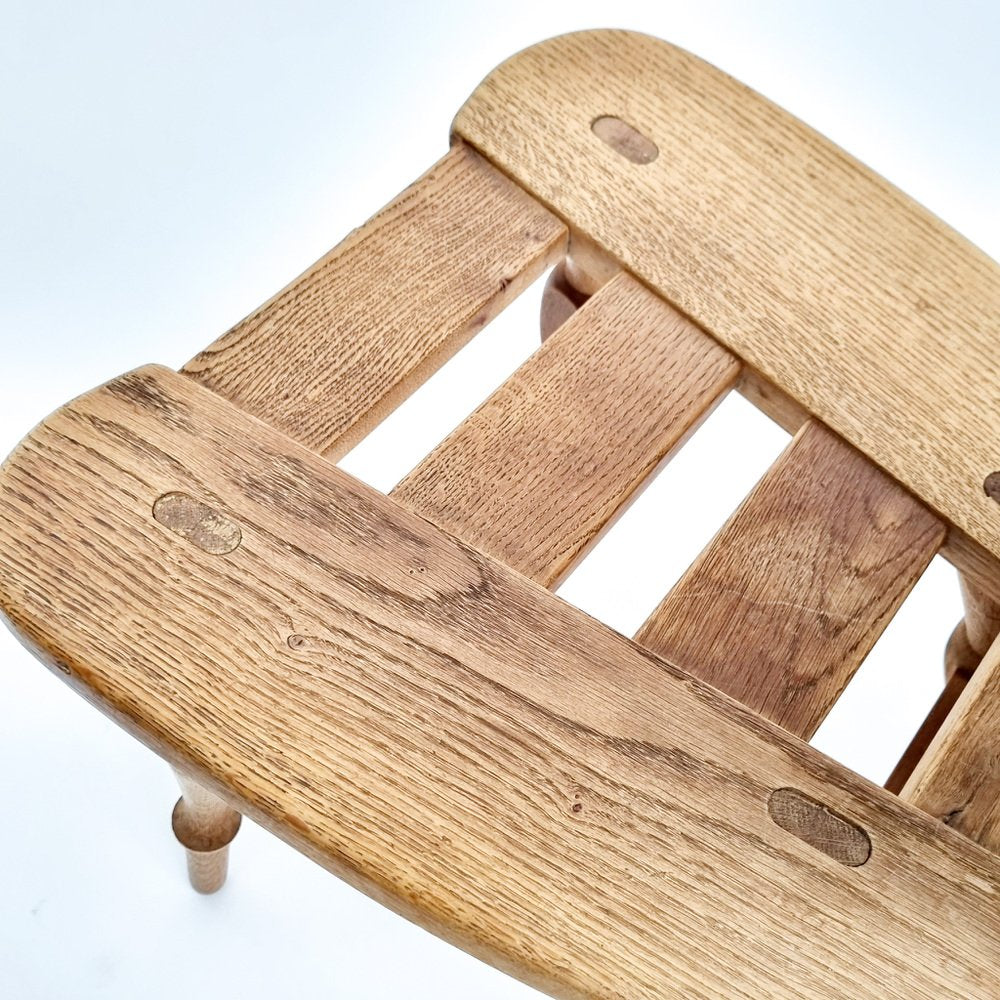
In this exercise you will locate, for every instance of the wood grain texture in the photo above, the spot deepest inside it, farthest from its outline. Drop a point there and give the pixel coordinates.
(866, 309)
(454, 739)
(785, 603)
(958, 778)
(345, 343)
(819, 827)
(967, 646)
(543, 466)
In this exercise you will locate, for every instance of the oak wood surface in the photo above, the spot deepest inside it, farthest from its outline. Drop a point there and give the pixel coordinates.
(958, 778)
(982, 618)
(924, 736)
(560, 299)
(967, 646)
(205, 826)
(781, 608)
(336, 351)
(541, 468)
(870, 312)
(454, 739)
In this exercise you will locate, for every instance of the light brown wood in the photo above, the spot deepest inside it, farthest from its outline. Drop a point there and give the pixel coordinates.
(961, 658)
(958, 778)
(769, 399)
(335, 352)
(973, 562)
(544, 465)
(868, 311)
(924, 736)
(560, 299)
(582, 273)
(785, 603)
(982, 617)
(624, 139)
(819, 826)
(205, 826)
(588, 267)
(452, 738)
(977, 630)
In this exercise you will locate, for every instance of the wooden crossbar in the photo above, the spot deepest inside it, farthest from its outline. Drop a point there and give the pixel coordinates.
(334, 353)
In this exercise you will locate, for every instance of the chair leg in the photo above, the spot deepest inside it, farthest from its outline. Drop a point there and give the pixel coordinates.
(560, 300)
(974, 634)
(581, 273)
(205, 826)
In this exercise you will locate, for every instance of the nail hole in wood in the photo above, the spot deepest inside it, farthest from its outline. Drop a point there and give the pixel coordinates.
(992, 486)
(198, 523)
(624, 140)
(819, 826)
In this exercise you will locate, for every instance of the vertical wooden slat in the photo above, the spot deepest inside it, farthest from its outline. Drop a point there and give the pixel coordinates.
(535, 474)
(337, 350)
(958, 778)
(790, 596)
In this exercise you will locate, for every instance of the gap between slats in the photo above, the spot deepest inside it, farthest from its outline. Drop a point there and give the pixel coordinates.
(549, 460)
(785, 603)
(958, 778)
(538, 472)
(345, 343)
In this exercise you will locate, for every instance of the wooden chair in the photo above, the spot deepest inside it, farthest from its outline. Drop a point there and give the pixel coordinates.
(385, 681)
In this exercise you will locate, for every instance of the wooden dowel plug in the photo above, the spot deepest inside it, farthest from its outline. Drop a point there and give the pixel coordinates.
(205, 826)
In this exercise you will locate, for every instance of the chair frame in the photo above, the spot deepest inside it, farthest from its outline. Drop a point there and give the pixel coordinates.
(387, 681)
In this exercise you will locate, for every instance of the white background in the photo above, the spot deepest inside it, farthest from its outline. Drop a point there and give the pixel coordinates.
(165, 168)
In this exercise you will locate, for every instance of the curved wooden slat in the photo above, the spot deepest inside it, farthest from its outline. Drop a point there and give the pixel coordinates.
(457, 741)
(863, 307)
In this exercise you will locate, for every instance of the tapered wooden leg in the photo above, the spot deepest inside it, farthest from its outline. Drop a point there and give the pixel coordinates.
(968, 644)
(583, 271)
(975, 633)
(205, 826)
(560, 300)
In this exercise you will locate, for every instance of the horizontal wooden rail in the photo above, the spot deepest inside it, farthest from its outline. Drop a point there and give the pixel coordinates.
(860, 305)
(457, 741)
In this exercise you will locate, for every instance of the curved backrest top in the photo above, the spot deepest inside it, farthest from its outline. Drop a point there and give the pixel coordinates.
(854, 300)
